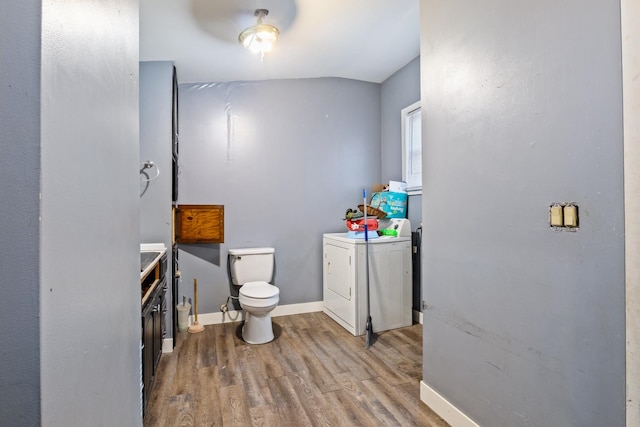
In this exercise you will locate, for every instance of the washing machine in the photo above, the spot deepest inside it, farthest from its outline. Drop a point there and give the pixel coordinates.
(344, 281)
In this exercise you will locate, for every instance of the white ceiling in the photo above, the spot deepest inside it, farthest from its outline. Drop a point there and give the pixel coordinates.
(357, 39)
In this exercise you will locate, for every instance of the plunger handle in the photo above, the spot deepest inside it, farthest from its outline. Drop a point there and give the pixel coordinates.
(195, 297)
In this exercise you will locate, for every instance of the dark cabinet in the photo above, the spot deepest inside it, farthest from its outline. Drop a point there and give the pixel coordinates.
(174, 137)
(154, 311)
(147, 355)
(175, 282)
(159, 323)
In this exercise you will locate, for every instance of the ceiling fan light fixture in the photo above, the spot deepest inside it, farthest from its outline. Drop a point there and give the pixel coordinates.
(259, 38)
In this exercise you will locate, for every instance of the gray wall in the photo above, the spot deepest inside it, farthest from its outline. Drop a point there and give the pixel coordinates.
(70, 306)
(156, 83)
(89, 288)
(286, 158)
(19, 211)
(399, 91)
(522, 108)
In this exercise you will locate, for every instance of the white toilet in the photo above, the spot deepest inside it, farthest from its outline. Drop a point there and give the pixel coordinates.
(252, 270)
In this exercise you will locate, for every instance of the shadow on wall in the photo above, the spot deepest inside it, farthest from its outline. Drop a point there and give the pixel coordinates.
(206, 252)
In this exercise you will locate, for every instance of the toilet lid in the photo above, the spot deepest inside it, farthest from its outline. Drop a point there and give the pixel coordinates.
(259, 290)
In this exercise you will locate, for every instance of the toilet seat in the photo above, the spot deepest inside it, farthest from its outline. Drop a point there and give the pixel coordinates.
(258, 294)
(259, 290)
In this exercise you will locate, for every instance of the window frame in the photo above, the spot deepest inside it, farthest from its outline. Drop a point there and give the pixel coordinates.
(405, 116)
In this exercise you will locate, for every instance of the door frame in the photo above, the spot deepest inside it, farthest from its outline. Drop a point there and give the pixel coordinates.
(630, 37)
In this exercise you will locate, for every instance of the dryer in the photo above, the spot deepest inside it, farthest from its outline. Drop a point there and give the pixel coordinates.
(344, 282)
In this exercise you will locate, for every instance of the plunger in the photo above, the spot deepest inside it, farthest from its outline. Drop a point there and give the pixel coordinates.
(196, 327)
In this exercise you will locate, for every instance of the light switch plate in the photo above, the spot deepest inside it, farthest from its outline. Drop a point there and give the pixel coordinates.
(555, 216)
(570, 216)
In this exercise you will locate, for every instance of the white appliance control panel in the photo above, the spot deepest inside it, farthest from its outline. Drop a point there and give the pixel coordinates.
(401, 225)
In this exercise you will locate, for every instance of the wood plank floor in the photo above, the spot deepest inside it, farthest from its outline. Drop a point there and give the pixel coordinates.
(313, 374)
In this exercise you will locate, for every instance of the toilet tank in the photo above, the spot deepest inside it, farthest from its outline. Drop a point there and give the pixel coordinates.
(251, 265)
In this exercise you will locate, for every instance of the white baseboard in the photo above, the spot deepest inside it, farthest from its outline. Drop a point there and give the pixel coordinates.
(305, 307)
(167, 345)
(238, 315)
(417, 316)
(444, 408)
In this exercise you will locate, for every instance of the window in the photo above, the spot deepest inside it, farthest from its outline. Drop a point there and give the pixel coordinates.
(412, 148)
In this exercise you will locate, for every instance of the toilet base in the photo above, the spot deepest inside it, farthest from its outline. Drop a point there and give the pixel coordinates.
(257, 328)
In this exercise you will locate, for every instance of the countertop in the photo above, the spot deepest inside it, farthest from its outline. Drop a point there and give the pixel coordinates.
(152, 247)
